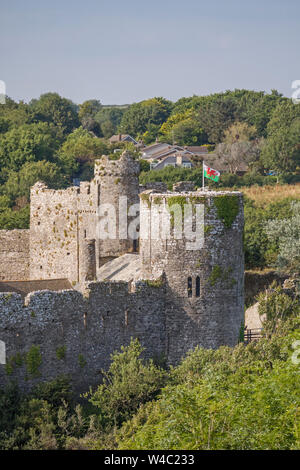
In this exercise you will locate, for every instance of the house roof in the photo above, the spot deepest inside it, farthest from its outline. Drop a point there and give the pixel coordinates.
(121, 138)
(172, 159)
(197, 149)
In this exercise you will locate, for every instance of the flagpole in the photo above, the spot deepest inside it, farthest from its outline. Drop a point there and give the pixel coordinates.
(203, 175)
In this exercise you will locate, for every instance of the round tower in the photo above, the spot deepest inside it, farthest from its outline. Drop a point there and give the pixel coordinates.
(87, 257)
(118, 188)
(196, 239)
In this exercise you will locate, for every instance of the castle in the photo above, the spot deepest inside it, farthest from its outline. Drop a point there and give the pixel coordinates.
(70, 297)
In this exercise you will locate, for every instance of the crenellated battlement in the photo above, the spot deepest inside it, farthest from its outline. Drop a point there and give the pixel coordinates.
(179, 292)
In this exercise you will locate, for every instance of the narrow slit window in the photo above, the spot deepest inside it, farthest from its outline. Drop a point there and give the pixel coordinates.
(197, 286)
(189, 287)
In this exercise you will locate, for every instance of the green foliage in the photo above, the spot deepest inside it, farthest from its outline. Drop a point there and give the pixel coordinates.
(61, 352)
(128, 384)
(232, 398)
(52, 108)
(216, 275)
(227, 209)
(260, 248)
(80, 148)
(28, 143)
(286, 234)
(81, 361)
(155, 282)
(282, 152)
(139, 116)
(33, 361)
(275, 308)
(11, 219)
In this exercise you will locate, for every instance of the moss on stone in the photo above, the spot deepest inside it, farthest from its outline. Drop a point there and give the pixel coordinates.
(175, 201)
(219, 274)
(157, 200)
(154, 282)
(215, 275)
(33, 361)
(81, 361)
(208, 229)
(146, 199)
(227, 208)
(61, 352)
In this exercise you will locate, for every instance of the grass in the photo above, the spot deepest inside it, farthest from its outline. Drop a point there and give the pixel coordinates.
(264, 195)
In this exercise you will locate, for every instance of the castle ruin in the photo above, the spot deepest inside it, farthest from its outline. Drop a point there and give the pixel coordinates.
(70, 297)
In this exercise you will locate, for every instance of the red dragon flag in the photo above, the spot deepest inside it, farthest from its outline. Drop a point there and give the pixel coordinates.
(210, 173)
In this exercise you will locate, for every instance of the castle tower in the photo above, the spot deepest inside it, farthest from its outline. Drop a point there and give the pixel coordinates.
(88, 260)
(205, 278)
(118, 188)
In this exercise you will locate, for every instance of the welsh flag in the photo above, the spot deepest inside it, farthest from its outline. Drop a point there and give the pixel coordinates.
(211, 173)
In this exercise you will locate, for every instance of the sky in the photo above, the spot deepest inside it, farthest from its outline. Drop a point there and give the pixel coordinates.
(125, 51)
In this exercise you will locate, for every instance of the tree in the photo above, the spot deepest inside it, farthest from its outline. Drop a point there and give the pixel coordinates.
(138, 116)
(282, 149)
(238, 153)
(30, 142)
(89, 109)
(239, 132)
(19, 183)
(109, 119)
(215, 115)
(286, 233)
(128, 384)
(86, 114)
(80, 148)
(52, 108)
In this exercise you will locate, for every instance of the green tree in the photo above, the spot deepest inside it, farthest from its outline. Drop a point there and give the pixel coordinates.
(128, 384)
(286, 233)
(80, 148)
(30, 142)
(282, 149)
(52, 108)
(139, 116)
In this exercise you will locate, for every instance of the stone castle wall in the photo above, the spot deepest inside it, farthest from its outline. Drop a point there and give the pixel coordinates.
(119, 187)
(204, 294)
(68, 333)
(14, 255)
(54, 233)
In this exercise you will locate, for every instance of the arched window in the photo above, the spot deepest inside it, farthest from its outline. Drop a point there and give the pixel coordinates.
(189, 287)
(197, 286)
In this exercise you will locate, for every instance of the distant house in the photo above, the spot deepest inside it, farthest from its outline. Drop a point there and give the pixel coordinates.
(122, 138)
(213, 161)
(178, 159)
(197, 149)
(156, 150)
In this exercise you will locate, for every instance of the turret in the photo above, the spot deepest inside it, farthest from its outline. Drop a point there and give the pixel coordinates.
(204, 273)
(118, 189)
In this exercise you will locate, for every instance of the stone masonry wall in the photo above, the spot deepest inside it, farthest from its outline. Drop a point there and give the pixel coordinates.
(212, 316)
(14, 255)
(53, 233)
(67, 333)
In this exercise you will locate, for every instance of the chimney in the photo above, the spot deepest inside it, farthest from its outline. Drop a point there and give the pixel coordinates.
(179, 159)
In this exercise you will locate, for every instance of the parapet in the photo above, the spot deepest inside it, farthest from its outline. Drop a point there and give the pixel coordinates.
(125, 166)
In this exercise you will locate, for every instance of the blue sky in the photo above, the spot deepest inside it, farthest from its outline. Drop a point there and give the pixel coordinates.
(121, 52)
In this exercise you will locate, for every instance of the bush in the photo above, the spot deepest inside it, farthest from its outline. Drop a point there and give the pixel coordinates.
(129, 383)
